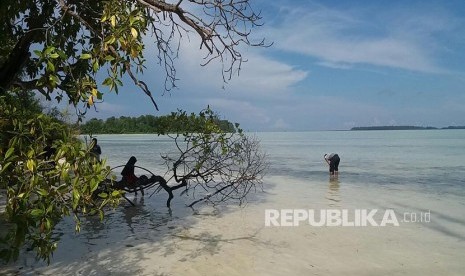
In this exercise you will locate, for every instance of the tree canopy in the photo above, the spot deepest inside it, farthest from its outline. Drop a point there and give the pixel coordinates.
(46, 174)
(62, 45)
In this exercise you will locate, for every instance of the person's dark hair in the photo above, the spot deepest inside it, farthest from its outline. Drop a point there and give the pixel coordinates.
(132, 160)
(129, 167)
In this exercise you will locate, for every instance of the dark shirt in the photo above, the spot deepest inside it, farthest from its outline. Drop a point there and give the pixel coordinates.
(128, 171)
(96, 150)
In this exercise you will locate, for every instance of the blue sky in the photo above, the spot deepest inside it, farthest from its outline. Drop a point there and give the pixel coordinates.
(333, 65)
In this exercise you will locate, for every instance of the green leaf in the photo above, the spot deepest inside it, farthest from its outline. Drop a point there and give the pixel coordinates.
(62, 188)
(108, 81)
(38, 53)
(85, 56)
(134, 32)
(54, 79)
(42, 192)
(37, 212)
(93, 185)
(49, 50)
(76, 196)
(9, 152)
(54, 55)
(95, 66)
(109, 39)
(50, 67)
(109, 58)
(62, 54)
(65, 175)
(48, 224)
(113, 20)
(132, 19)
(30, 165)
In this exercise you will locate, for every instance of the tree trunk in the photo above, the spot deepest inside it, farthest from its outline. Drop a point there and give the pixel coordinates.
(14, 64)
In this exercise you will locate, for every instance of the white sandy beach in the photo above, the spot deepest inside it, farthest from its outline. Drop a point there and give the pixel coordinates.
(236, 242)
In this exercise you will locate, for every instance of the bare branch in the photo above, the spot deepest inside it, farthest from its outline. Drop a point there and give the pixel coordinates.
(221, 25)
(226, 168)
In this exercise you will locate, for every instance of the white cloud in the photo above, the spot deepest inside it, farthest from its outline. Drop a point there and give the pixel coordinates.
(265, 76)
(341, 39)
(240, 111)
(262, 82)
(110, 107)
(260, 76)
(335, 65)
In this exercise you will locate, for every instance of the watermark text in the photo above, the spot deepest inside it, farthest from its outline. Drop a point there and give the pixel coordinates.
(340, 217)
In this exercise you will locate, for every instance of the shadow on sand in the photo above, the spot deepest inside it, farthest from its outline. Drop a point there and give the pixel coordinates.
(128, 234)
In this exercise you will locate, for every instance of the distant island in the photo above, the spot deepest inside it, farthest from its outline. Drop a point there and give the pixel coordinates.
(404, 128)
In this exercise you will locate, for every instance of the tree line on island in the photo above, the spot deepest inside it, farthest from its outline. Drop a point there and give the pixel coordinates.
(404, 128)
(149, 124)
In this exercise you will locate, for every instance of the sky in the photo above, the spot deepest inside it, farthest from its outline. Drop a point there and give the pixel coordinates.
(333, 65)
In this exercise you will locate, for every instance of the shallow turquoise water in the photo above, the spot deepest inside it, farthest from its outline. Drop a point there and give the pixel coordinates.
(414, 171)
(429, 160)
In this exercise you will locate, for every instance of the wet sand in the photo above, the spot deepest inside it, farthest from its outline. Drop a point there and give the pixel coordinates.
(149, 240)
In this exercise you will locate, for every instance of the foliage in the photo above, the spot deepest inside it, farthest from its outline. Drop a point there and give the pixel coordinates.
(62, 45)
(41, 189)
(145, 124)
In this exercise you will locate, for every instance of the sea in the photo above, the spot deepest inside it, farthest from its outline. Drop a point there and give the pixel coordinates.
(419, 175)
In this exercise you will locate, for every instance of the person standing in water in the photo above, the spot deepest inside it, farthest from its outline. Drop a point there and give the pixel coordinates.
(333, 161)
(95, 150)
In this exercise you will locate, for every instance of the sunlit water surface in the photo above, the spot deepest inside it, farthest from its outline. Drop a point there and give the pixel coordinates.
(407, 171)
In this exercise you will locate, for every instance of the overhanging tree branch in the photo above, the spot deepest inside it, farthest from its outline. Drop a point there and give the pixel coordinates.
(109, 34)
